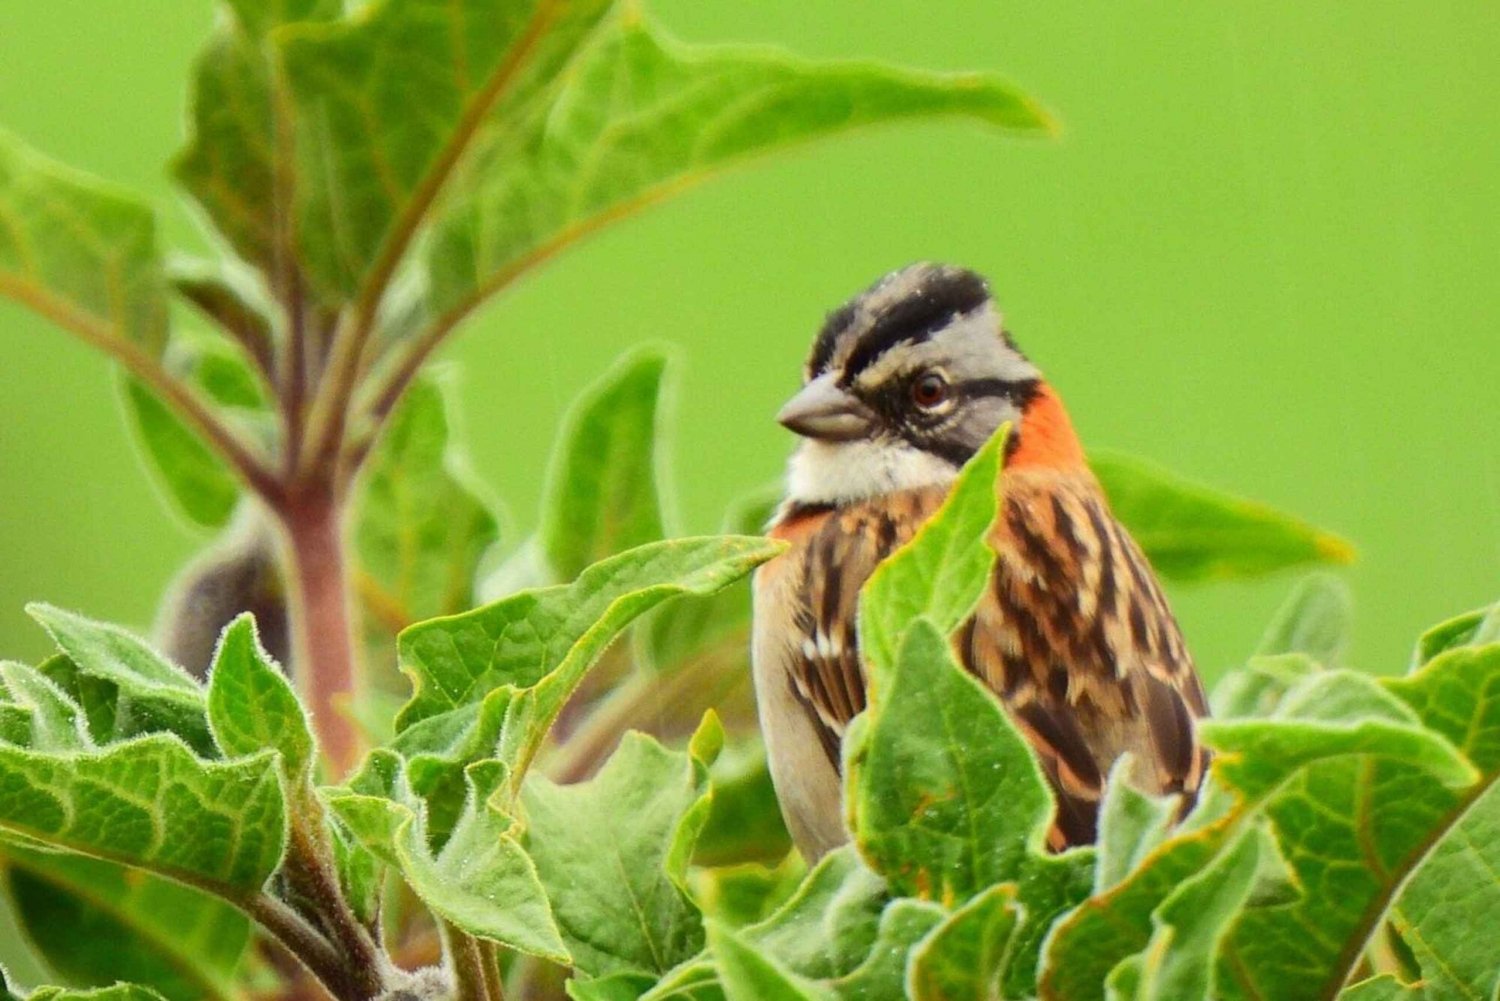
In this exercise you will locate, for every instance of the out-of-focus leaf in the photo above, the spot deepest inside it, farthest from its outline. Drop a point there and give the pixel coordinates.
(1191, 532)
(602, 495)
(150, 803)
(80, 252)
(421, 528)
(252, 708)
(747, 892)
(947, 799)
(1258, 688)
(942, 571)
(744, 821)
(638, 117)
(612, 853)
(481, 879)
(963, 956)
(237, 164)
(1461, 630)
(402, 90)
(147, 683)
(193, 475)
(1316, 619)
(97, 923)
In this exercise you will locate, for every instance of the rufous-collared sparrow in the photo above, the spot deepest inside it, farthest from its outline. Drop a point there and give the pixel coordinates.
(904, 384)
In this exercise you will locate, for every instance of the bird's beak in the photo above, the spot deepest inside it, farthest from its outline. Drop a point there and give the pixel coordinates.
(823, 410)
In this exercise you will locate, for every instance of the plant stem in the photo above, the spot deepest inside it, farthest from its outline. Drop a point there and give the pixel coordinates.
(307, 944)
(472, 981)
(322, 620)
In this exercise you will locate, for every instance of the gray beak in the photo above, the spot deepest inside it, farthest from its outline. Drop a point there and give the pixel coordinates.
(823, 410)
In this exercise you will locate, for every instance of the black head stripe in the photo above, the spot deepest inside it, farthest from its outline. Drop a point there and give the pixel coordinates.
(941, 295)
(838, 321)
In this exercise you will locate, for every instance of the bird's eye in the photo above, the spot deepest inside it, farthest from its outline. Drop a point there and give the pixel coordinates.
(929, 390)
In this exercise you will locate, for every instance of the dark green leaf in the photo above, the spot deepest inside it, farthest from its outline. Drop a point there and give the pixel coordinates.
(1190, 532)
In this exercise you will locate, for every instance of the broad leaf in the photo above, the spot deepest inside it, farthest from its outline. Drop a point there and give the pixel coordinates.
(252, 708)
(612, 853)
(1316, 619)
(481, 880)
(963, 956)
(903, 925)
(144, 682)
(747, 974)
(98, 922)
(1131, 825)
(602, 495)
(1191, 532)
(421, 528)
(150, 803)
(943, 570)
(947, 799)
(744, 822)
(79, 252)
(1258, 688)
(638, 117)
(196, 479)
(119, 992)
(237, 164)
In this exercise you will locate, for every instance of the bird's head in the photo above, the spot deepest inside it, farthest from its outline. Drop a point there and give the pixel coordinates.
(905, 382)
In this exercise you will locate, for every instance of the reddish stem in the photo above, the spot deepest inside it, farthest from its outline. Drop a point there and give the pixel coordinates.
(323, 622)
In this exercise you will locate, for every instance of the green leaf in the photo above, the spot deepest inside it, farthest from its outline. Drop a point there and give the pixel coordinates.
(1382, 988)
(196, 479)
(118, 992)
(602, 495)
(947, 799)
(97, 922)
(481, 880)
(1316, 619)
(612, 853)
(80, 252)
(1258, 688)
(1191, 532)
(1178, 963)
(883, 973)
(943, 570)
(1131, 826)
(963, 956)
(543, 642)
(145, 682)
(252, 708)
(421, 526)
(744, 822)
(1459, 631)
(150, 803)
(748, 974)
(56, 723)
(638, 117)
(237, 148)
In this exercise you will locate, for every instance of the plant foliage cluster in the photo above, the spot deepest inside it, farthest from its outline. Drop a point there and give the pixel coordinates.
(540, 811)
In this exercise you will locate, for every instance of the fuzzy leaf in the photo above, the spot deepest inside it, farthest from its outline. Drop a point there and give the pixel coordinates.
(147, 683)
(1316, 619)
(481, 879)
(150, 803)
(963, 956)
(602, 495)
(236, 149)
(97, 922)
(1258, 688)
(56, 723)
(118, 992)
(617, 888)
(80, 252)
(943, 570)
(638, 117)
(421, 528)
(252, 708)
(1131, 825)
(1191, 532)
(947, 799)
(748, 974)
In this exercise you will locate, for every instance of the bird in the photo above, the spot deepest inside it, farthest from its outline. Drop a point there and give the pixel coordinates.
(1073, 633)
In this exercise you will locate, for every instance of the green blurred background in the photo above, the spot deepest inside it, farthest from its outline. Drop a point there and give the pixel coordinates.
(1265, 252)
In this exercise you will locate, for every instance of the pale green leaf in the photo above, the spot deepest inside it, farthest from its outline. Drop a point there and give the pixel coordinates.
(943, 570)
(98, 922)
(252, 708)
(480, 880)
(143, 679)
(1258, 688)
(1191, 532)
(117, 992)
(963, 956)
(902, 926)
(638, 117)
(1131, 825)
(1382, 988)
(1461, 630)
(1316, 619)
(236, 146)
(79, 252)
(608, 851)
(421, 527)
(150, 803)
(747, 974)
(57, 723)
(602, 494)
(390, 98)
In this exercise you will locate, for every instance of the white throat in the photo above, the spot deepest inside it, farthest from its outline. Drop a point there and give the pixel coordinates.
(836, 472)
